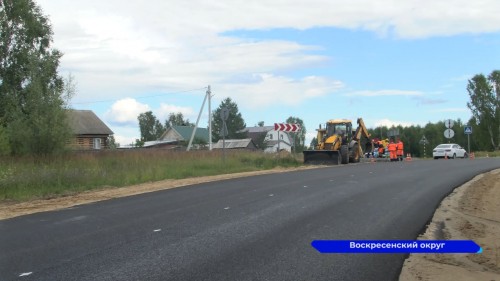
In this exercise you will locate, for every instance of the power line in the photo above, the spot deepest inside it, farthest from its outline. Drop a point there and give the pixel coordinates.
(143, 97)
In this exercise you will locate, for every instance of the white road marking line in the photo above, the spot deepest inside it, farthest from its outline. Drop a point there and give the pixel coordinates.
(227, 208)
(157, 230)
(271, 195)
(305, 185)
(25, 274)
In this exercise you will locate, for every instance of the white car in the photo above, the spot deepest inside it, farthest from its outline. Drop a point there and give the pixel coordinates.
(450, 150)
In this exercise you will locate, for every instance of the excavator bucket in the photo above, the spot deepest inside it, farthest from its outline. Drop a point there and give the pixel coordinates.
(321, 157)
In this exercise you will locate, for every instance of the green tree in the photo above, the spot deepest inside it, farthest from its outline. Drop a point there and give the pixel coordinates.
(314, 143)
(299, 138)
(4, 142)
(150, 127)
(138, 143)
(494, 78)
(485, 105)
(235, 123)
(177, 119)
(32, 107)
(112, 142)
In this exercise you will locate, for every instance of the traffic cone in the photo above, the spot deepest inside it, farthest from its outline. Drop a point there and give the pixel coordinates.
(408, 157)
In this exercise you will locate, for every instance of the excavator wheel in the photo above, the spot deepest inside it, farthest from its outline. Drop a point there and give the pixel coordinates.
(344, 154)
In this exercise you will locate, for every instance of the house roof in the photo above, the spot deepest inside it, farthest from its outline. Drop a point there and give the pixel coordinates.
(156, 143)
(263, 129)
(255, 133)
(186, 131)
(85, 122)
(243, 143)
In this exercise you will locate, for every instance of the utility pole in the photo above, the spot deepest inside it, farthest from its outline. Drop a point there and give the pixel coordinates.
(209, 94)
(198, 120)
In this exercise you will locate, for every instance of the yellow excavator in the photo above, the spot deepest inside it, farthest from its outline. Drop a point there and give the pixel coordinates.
(339, 143)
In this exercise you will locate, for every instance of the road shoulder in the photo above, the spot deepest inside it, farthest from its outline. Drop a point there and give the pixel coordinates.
(470, 212)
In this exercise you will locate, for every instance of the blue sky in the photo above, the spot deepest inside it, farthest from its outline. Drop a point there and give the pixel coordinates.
(390, 62)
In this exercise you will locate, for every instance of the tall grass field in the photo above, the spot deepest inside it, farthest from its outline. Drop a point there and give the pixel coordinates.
(25, 178)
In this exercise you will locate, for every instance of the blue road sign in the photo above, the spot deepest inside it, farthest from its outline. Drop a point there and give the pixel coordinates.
(468, 130)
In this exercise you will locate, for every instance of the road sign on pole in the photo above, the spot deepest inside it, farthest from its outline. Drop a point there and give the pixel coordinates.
(424, 141)
(285, 127)
(467, 130)
(224, 113)
(449, 133)
(393, 132)
(448, 123)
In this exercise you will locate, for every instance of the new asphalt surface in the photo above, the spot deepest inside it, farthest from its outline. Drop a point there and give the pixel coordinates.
(253, 228)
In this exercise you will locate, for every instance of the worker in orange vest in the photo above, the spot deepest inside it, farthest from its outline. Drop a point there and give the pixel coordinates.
(399, 150)
(381, 149)
(392, 151)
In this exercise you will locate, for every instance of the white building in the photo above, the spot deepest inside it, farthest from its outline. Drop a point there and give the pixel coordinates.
(275, 140)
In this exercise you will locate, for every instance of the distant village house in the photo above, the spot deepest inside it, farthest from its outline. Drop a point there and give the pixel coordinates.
(274, 140)
(182, 134)
(243, 144)
(89, 132)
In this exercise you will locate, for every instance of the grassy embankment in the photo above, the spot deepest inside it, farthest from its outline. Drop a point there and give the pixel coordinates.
(24, 178)
(487, 153)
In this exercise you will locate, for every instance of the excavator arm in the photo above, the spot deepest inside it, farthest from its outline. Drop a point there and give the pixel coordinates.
(361, 131)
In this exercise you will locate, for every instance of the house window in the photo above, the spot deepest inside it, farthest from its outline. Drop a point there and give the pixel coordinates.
(97, 143)
(270, 136)
(281, 137)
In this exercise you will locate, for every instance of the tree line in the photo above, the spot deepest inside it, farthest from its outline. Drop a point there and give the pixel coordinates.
(34, 98)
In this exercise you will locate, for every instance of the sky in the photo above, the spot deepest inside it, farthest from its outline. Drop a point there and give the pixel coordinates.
(390, 62)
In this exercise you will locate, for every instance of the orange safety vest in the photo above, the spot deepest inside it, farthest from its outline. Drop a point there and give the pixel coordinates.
(392, 146)
(381, 149)
(399, 147)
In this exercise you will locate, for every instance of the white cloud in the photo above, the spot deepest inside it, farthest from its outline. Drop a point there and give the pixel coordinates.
(384, 93)
(165, 109)
(309, 137)
(269, 90)
(117, 48)
(411, 18)
(124, 112)
(124, 140)
(389, 123)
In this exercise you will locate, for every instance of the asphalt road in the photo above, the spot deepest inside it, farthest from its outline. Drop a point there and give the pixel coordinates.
(254, 228)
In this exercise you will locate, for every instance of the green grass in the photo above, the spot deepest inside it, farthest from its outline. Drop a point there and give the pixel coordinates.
(487, 153)
(25, 178)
